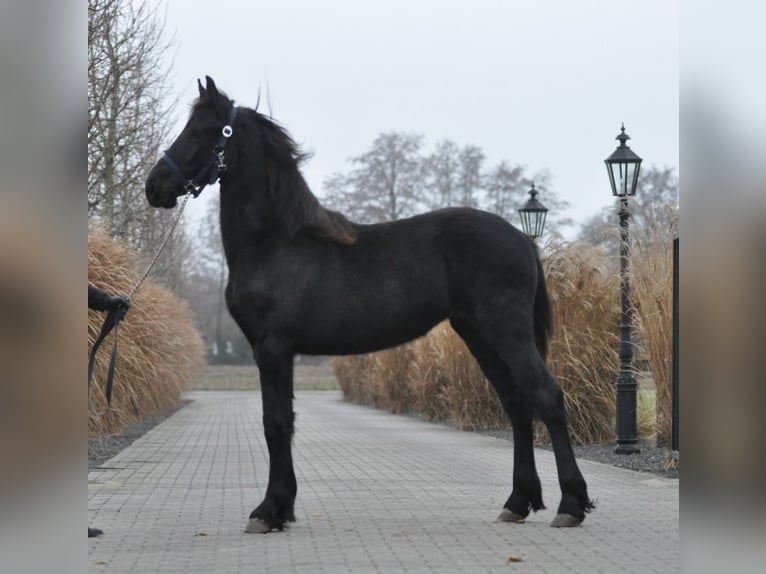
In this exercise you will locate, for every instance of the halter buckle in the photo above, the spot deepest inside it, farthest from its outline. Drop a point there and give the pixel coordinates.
(221, 161)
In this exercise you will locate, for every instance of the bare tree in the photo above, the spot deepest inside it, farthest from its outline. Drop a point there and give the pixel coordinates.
(505, 185)
(129, 115)
(471, 160)
(442, 169)
(386, 183)
(177, 258)
(453, 175)
(393, 179)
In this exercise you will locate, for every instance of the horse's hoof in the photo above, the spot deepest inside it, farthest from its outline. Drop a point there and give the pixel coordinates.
(258, 526)
(566, 521)
(510, 516)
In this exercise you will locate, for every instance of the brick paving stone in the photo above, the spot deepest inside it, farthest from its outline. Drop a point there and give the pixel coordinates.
(376, 493)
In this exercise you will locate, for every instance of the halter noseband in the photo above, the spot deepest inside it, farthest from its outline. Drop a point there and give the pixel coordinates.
(217, 164)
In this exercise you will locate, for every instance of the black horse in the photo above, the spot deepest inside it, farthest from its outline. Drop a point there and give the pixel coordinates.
(304, 279)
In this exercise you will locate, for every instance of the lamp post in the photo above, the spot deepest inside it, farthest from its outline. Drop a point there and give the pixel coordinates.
(623, 167)
(533, 215)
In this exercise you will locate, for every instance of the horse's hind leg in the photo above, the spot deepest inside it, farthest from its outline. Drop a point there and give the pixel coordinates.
(519, 352)
(549, 403)
(275, 362)
(527, 492)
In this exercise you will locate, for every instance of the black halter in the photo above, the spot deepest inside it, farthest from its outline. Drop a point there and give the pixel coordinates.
(215, 168)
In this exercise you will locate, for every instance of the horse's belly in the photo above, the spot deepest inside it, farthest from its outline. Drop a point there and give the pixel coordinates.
(352, 330)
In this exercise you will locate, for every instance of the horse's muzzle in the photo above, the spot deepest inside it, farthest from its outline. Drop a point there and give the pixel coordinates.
(157, 199)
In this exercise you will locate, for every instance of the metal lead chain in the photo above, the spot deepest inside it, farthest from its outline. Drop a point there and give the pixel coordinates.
(174, 223)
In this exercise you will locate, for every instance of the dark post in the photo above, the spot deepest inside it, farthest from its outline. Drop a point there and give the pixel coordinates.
(623, 167)
(674, 405)
(627, 431)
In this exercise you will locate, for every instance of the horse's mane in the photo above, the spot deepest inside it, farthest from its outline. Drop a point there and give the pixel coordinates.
(296, 207)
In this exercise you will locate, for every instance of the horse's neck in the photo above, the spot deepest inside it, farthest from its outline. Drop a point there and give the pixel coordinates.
(247, 215)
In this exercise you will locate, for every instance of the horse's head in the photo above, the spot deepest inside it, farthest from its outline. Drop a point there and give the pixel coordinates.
(195, 158)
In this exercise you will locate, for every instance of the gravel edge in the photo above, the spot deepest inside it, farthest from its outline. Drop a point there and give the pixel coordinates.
(101, 449)
(651, 458)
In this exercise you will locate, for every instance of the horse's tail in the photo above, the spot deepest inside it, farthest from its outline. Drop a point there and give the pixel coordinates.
(542, 312)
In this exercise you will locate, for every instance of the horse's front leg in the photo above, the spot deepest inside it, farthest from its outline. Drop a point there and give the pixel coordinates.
(275, 362)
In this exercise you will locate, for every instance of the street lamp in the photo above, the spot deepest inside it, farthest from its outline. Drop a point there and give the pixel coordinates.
(533, 215)
(623, 167)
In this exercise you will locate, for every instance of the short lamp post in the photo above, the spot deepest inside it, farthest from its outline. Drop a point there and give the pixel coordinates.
(533, 214)
(623, 167)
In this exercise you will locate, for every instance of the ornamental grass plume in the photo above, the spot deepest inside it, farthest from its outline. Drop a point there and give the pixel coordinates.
(652, 296)
(160, 350)
(583, 354)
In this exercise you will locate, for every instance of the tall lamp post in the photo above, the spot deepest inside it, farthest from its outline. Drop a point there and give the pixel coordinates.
(623, 167)
(533, 214)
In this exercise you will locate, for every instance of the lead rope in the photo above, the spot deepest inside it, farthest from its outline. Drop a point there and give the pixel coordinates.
(112, 321)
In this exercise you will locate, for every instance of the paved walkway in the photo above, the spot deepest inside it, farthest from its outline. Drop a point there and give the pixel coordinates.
(376, 493)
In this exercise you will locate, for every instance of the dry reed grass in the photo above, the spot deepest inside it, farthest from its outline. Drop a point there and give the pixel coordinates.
(429, 381)
(466, 396)
(393, 368)
(437, 377)
(434, 376)
(652, 296)
(583, 351)
(357, 378)
(377, 379)
(159, 349)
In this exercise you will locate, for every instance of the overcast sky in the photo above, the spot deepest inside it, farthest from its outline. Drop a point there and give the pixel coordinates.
(543, 83)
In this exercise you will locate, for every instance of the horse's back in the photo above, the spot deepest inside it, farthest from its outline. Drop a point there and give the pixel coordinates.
(452, 231)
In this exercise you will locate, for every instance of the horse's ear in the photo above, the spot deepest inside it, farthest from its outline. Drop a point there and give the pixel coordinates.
(210, 86)
(201, 88)
(211, 92)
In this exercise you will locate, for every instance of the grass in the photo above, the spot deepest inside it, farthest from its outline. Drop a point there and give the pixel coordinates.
(245, 378)
(646, 413)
